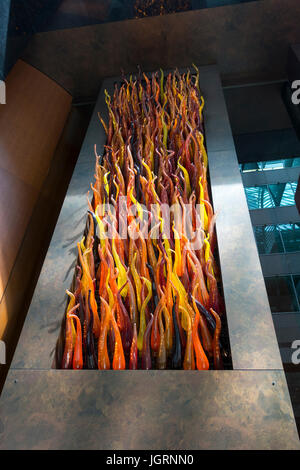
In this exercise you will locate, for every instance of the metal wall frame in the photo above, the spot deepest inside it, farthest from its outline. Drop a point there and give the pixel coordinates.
(246, 408)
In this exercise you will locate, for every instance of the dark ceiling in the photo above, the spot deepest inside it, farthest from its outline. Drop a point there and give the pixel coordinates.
(20, 19)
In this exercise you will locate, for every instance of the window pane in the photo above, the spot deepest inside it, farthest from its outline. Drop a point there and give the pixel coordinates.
(280, 163)
(268, 239)
(291, 236)
(258, 197)
(283, 194)
(297, 285)
(281, 294)
(273, 165)
(287, 162)
(270, 165)
(294, 187)
(288, 197)
(277, 191)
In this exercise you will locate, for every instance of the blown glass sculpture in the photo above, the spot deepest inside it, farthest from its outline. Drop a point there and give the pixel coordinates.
(145, 292)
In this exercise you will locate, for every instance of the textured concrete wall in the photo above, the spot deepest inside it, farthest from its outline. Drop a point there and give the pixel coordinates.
(249, 41)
